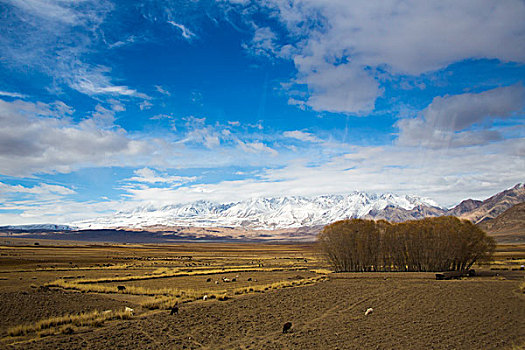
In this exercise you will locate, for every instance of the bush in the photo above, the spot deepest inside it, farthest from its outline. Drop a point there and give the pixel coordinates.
(431, 244)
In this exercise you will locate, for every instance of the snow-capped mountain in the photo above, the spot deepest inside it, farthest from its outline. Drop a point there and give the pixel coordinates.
(261, 213)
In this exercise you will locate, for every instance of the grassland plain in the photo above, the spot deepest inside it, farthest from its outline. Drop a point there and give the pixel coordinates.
(57, 295)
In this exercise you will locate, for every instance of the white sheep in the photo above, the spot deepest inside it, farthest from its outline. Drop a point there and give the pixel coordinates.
(369, 311)
(205, 298)
(129, 310)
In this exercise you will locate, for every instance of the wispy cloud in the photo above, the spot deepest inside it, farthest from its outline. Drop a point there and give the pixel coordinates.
(302, 136)
(162, 90)
(185, 32)
(55, 38)
(40, 189)
(147, 175)
(12, 94)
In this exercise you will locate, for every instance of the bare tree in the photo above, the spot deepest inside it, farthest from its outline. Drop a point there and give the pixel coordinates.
(431, 244)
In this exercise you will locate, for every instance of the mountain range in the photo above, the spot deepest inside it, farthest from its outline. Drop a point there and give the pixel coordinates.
(296, 211)
(263, 213)
(294, 217)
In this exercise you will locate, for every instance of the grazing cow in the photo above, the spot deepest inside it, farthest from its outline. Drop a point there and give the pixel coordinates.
(208, 280)
(121, 288)
(286, 327)
(249, 279)
(369, 311)
(234, 279)
(174, 310)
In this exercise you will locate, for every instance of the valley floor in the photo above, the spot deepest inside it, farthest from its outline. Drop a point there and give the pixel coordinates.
(410, 310)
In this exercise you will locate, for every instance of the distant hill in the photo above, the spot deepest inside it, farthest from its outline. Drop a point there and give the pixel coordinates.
(490, 208)
(509, 226)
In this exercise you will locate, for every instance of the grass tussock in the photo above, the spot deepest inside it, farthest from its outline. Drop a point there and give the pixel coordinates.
(68, 324)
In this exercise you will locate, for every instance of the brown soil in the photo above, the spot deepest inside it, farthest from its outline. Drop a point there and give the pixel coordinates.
(411, 311)
(33, 305)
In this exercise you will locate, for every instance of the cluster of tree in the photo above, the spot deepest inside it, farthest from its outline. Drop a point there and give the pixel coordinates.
(431, 244)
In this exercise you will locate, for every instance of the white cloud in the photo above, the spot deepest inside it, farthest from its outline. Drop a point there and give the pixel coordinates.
(448, 121)
(206, 136)
(342, 88)
(256, 147)
(55, 211)
(185, 32)
(150, 176)
(263, 42)
(336, 45)
(41, 138)
(302, 136)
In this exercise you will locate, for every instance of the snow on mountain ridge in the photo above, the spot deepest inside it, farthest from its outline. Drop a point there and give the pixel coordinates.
(259, 213)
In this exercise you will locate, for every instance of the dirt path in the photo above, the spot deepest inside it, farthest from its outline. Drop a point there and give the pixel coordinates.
(409, 313)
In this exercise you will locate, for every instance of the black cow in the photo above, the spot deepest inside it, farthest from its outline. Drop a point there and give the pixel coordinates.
(287, 327)
(174, 310)
(121, 288)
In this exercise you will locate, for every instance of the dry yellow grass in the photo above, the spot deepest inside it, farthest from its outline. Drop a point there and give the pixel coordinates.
(51, 325)
(167, 302)
(322, 271)
(98, 288)
(166, 273)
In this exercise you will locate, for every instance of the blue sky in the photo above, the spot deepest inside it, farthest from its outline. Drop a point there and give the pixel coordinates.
(106, 105)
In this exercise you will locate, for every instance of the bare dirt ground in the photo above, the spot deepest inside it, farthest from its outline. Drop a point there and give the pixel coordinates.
(411, 310)
(28, 306)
